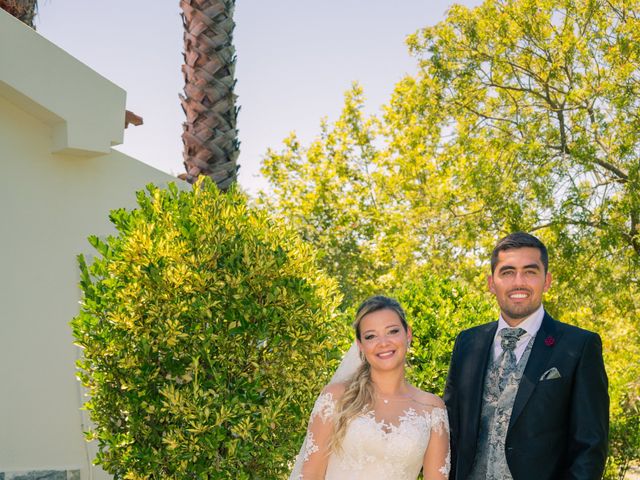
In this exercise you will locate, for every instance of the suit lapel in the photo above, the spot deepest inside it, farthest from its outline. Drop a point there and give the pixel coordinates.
(536, 366)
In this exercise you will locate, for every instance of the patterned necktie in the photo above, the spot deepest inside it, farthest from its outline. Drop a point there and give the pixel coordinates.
(507, 362)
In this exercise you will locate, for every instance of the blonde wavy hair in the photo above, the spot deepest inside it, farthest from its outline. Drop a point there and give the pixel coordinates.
(359, 395)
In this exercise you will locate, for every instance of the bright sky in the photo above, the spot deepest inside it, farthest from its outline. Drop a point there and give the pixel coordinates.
(296, 58)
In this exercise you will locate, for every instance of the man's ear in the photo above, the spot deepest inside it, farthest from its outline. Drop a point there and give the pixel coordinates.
(547, 281)
(490, 284)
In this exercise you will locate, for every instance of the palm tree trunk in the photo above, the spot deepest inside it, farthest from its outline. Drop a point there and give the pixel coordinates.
(23, 10)
(210, 136)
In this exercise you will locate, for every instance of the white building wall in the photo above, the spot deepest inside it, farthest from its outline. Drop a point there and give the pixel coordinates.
(51, 199)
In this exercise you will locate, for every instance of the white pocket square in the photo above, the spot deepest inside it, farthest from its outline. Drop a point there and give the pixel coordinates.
(550, 374)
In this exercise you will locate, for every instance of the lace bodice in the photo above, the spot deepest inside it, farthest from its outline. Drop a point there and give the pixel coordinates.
(376, 448)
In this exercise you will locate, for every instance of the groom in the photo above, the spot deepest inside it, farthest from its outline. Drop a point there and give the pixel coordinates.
(527, 395)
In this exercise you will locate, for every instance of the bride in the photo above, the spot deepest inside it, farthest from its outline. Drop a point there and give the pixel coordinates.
(375, 425)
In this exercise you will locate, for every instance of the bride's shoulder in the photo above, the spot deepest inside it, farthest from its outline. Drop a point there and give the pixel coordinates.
(326, 402)
(427, 399)
(334, 390)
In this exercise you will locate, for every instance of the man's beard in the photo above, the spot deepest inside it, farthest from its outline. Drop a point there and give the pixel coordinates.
(519, 313)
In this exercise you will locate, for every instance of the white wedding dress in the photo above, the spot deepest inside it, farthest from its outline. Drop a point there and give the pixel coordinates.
(393, 446)
(392, 442)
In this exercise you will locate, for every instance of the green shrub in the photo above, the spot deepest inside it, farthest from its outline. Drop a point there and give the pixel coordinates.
(438, 310)
(207, 332)
(615, 319)
(624, 434)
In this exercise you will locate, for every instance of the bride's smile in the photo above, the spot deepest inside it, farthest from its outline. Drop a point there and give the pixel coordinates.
(386, 355)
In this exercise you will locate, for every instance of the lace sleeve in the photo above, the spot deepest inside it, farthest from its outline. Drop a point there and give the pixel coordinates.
(311, 462)
(437, 458)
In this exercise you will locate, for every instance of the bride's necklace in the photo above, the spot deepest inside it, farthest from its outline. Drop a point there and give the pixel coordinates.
(399, 399)
(394, 398)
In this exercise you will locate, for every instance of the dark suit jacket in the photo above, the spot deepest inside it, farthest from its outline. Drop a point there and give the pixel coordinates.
(558, 428)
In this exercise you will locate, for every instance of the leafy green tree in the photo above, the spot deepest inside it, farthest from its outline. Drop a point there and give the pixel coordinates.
(537, 101)
(207, 331)
(326, 191)
(336, 195)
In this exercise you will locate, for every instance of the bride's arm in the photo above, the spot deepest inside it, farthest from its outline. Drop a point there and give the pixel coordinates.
(437, 458)
(316, 450)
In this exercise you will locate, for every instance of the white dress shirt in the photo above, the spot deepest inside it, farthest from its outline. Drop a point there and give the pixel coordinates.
(531, 325)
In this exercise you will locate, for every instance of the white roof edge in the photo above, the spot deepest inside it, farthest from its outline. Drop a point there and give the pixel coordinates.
(85, 110)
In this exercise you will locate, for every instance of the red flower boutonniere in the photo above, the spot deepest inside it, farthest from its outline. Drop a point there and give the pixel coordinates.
(549, 341)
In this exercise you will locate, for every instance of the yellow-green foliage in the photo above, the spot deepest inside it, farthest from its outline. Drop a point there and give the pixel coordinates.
(207, 332)
(438, 310)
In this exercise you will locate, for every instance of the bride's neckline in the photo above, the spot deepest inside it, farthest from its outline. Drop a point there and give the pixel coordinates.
(387, 398)
(406, 416)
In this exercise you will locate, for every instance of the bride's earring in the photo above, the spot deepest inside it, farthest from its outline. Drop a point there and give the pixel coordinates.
(362, 357)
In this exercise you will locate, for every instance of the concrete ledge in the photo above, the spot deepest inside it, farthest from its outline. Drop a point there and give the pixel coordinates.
(85, 110)
(41, 475)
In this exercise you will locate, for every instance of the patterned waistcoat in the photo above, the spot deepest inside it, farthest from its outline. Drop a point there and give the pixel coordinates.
(490, 462)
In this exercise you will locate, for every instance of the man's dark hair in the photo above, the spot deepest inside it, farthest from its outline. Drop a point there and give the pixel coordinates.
(519, 240)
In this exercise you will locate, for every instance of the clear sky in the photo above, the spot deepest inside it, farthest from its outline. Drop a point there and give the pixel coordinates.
(296, 58)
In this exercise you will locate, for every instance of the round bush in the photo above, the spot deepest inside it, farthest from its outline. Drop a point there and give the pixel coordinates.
(207, 331)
